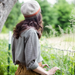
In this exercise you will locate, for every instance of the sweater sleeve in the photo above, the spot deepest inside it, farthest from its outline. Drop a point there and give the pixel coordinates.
(31, 48)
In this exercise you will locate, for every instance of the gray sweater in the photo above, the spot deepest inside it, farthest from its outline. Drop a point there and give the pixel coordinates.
(26, 49)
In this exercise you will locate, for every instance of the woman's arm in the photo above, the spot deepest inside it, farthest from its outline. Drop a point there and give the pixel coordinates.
(41, 71)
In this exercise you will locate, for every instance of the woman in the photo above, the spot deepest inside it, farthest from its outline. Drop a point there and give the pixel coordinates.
(25, 42)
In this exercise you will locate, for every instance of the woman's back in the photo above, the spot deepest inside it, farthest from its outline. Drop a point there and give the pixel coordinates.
(27, 41)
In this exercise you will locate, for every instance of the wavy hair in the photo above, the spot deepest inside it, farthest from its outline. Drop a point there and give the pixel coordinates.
(35, 22)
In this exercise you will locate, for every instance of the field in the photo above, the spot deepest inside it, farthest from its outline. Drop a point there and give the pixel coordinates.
(56, 51)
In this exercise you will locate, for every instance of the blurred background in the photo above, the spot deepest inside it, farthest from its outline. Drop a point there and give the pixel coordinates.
(58, 38)
(56, 13)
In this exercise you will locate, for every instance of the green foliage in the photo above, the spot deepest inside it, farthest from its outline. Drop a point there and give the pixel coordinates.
(72, 20)
(21, 17)
(58, 14)
(54, 15)
(46, 11)
(4, 30)
(3, 56)
(1, 70)
(63, 11)
(3, 59)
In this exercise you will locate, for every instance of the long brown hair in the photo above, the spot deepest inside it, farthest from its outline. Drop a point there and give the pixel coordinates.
(35, 22)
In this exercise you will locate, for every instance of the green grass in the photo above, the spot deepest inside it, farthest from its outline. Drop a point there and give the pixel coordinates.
(4, 57)
(54, 57)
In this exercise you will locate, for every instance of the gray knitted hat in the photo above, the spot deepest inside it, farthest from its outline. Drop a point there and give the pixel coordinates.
(30, 9)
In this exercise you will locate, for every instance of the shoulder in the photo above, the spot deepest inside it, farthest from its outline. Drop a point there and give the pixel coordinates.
(29, 32)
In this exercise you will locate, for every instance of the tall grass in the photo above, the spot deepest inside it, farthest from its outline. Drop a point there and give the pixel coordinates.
(55, 57)
(3, 58)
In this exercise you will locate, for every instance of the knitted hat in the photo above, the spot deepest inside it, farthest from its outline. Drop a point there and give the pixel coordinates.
(30, 9)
